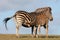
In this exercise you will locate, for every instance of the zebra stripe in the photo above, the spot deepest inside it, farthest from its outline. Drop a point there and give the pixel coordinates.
(23, 15)
(20, 17)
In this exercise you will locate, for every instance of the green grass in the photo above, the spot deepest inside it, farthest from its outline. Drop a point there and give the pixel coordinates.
(27, 37)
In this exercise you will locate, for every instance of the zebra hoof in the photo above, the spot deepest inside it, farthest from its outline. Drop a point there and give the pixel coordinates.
(37, 36)
(33, 36)
(46, 36)
(17, 36)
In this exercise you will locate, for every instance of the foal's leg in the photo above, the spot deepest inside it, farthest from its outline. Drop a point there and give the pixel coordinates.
(38, 30)
(46, 30)
(34, 31)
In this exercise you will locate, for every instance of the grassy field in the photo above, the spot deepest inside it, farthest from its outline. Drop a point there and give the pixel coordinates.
(27, 37)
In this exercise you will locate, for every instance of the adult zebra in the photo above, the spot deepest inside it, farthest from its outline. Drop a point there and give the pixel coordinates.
(21, 18)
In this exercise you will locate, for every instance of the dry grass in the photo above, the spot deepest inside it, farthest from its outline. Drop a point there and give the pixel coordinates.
(27, 37)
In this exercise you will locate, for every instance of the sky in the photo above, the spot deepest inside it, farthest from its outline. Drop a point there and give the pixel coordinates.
(9, 7)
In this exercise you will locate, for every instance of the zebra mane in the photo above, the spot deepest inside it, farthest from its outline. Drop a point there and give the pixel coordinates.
(21, 11)
(43, 10)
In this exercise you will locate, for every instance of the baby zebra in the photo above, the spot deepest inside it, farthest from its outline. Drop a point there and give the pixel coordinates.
(43, 17)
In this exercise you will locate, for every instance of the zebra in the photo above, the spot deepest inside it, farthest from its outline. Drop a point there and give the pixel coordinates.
(32, 19)
(43, 14)
(20, 18)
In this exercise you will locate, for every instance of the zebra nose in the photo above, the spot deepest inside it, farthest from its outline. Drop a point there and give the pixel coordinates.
(51, 19)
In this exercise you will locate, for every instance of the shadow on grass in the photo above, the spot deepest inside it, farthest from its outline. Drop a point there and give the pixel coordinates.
(40, 37)
(27, 36)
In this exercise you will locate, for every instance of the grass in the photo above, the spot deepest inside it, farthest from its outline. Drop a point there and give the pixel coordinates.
(27, 37)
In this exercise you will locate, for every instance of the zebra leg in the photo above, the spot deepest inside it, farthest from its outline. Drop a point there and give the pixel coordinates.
(17, 29)
(34, 31)
(32, 28)
(18, 23)
(38, 30)
(46, 30)
(17, 26)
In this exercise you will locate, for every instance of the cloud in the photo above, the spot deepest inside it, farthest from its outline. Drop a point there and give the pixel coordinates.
(12, 4)
(6, 5)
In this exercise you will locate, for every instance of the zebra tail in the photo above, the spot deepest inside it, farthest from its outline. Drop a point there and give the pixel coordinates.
(5, 21)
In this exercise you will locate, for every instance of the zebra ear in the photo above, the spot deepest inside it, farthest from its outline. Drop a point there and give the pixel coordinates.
(50, 8)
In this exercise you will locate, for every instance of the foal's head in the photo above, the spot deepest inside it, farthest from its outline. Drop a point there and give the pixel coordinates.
(47, 11)
(49, 14)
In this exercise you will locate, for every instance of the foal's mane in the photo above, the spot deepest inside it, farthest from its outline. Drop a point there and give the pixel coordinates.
(43, 10)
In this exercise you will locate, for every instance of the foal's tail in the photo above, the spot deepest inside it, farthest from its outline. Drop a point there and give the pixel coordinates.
(6, 20)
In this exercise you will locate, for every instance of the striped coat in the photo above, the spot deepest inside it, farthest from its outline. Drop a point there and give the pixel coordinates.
(21, 18)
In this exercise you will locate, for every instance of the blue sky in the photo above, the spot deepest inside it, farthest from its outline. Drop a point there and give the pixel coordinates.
(9, 7)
